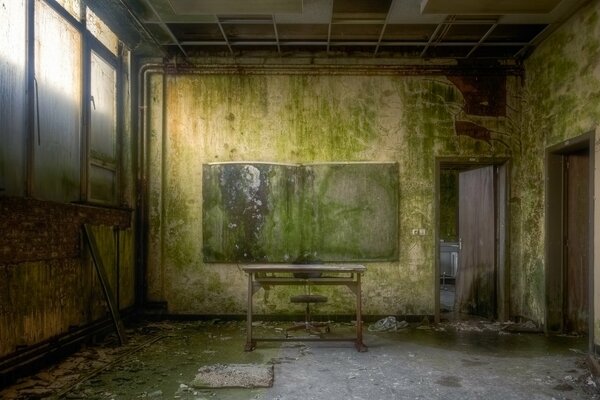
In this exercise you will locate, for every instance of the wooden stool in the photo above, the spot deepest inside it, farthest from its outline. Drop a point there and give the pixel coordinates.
(308, 325)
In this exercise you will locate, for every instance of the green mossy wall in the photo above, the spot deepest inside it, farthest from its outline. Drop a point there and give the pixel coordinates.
(300, 119)
(561, 100)
(270, 213)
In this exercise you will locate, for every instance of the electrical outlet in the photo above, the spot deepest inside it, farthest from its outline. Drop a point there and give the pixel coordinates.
(415, 231)
(422, 231)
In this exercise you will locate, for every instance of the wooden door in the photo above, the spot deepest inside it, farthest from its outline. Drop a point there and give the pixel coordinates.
(476, 276)
(576, 242)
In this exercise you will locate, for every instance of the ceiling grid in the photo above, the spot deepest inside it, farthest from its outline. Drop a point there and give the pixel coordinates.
(462, 29)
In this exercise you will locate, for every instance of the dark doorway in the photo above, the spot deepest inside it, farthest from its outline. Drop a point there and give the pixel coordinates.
(568, 239)
(471, 217)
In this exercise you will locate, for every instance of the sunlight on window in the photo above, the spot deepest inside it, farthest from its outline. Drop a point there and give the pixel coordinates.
(59, 78)
(12, 32)
(103, 109)
(13, 100)
(101, 31)
(58, 53)
(72, 6)
(103, 131)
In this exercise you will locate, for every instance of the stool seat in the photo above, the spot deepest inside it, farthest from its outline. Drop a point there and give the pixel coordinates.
(308, 298)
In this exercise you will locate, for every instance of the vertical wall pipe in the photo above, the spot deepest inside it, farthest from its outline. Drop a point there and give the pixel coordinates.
(141, 225)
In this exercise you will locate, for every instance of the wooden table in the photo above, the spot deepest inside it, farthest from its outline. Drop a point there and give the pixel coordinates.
(267, 275)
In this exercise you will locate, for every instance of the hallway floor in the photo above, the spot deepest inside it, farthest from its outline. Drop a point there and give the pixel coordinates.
(461, 360)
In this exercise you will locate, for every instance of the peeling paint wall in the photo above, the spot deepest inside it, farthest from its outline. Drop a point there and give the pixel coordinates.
(310, 118)
(561, 100)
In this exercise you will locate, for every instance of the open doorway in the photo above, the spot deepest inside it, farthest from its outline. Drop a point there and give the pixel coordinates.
(569, 238)
(471, 271)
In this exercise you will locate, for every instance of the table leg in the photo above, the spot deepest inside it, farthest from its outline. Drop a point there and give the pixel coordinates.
(360, 346)
(250, 344)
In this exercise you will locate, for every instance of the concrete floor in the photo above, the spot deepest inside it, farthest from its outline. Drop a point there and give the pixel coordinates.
(463, 360)
(447, 295)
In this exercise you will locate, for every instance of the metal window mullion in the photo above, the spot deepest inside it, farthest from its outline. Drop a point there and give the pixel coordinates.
(119, 126)
(86, 89)
(30, 115)
(60, 10)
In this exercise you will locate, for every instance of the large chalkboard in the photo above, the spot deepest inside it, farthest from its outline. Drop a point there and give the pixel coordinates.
(261, 212)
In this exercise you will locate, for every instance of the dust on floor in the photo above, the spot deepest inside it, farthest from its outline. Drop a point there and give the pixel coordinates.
(462, 360)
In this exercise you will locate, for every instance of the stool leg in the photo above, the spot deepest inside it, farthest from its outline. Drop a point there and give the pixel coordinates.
(307, 316)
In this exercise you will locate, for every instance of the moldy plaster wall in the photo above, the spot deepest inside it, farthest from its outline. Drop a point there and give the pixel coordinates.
(306, 118)
(561, 100)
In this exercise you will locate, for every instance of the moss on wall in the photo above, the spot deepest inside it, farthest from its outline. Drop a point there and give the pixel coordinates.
(561, 100)
(304, 119)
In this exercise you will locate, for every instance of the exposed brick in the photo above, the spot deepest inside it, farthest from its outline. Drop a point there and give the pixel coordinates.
(34, 230)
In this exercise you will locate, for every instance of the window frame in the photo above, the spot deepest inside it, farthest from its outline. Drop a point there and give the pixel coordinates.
(90, 44)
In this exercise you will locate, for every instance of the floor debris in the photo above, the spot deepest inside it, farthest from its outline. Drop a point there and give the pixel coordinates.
(454, 360)
(387, 324)
(234, 376)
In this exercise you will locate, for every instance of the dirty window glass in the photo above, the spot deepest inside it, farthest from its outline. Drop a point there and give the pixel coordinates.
(58, 106)
(72, 6)
(101, 31)
(12, 97)
(103, 130)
